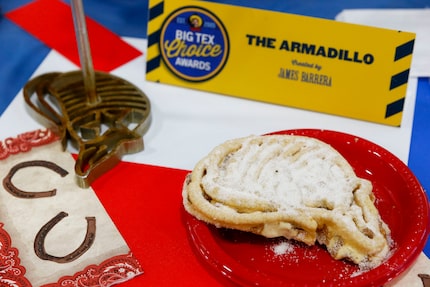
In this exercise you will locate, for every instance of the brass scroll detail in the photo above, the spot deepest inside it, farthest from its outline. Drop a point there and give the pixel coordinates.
(103, 132)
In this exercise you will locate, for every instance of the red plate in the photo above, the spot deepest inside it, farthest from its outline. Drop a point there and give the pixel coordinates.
(250, 260)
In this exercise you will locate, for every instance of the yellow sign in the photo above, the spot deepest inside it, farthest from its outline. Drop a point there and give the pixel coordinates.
(315, 64)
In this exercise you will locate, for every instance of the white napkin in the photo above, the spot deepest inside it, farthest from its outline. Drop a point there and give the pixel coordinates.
(22, 218)
(408, 20)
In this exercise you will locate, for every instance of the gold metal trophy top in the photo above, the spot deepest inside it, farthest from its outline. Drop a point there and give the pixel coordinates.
(103, 116)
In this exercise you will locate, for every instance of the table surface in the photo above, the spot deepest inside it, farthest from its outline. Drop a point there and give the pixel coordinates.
(181, 118)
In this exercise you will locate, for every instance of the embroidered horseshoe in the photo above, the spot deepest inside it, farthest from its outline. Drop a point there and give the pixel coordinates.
(12, 189)
(39, 241)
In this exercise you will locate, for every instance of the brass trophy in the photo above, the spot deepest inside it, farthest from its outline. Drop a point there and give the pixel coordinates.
(103, 116)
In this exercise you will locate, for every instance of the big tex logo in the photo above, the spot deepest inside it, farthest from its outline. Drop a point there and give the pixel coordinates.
(193, 44)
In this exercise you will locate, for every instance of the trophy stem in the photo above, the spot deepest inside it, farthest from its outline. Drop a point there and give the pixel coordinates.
(84, 52)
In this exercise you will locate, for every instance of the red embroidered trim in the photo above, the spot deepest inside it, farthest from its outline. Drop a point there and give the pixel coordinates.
(25, 142)
(112, 271)
(11, 272)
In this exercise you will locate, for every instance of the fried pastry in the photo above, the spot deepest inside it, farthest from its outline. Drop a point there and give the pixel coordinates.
(289, 186)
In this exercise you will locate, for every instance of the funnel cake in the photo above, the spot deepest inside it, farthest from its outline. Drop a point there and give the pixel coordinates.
(291, 186)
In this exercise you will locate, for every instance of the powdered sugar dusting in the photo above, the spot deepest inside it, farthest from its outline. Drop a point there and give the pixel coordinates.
(285, 173)
(294, 187)
(282, 248)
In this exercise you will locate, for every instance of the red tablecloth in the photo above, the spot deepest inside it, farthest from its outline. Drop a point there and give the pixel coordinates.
(145, 203)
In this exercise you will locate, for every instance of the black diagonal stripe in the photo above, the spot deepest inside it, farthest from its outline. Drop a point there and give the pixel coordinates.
(394, 108)
(404, 50)
(154, 38)
(156, 11)
(153, 64)
(399, 79)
